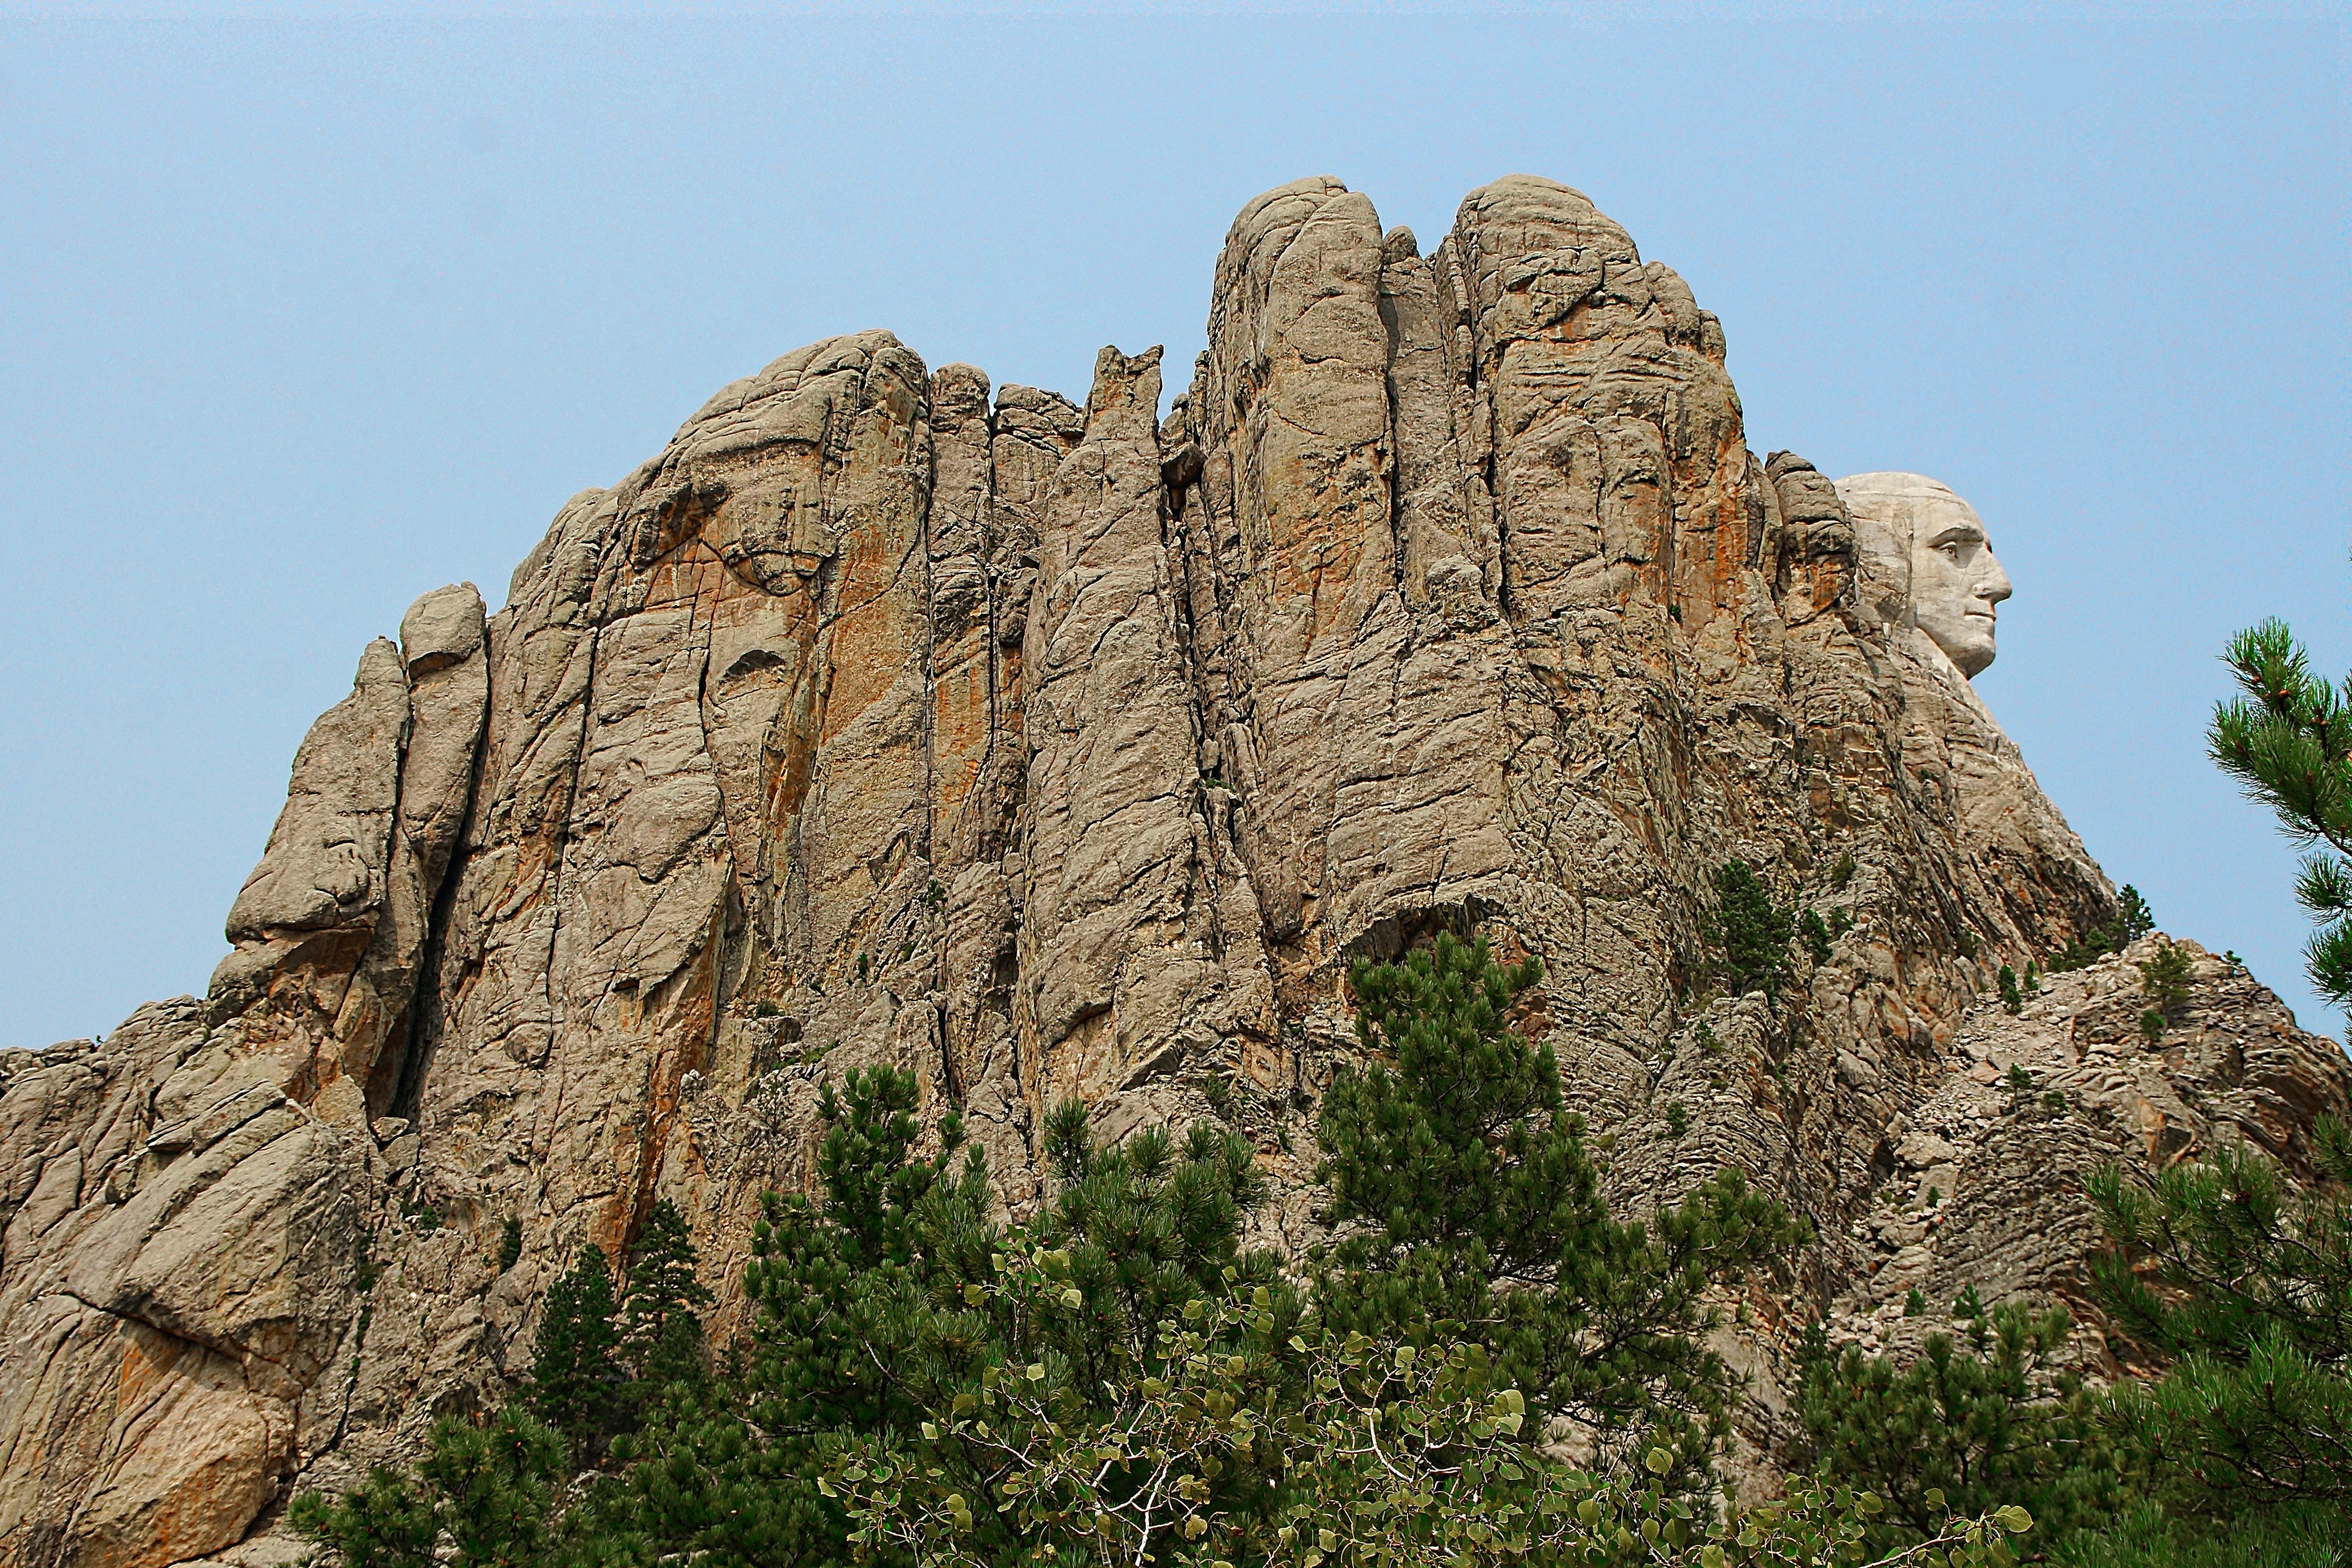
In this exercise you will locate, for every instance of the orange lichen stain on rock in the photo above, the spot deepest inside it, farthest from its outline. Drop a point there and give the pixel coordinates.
(794, 764)
(1722, 527)
(142, 1371)
(193, 1455)
(1321, 540)
(871, 640)
(210, 1507)
(961, 730)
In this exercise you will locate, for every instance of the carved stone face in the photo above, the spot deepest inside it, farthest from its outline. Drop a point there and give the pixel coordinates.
(1934, 567)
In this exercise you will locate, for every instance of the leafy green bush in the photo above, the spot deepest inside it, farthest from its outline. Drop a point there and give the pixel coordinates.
(1393, 1455)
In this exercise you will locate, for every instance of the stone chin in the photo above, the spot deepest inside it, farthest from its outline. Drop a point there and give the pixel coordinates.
(1967, 641)
(1928, 562)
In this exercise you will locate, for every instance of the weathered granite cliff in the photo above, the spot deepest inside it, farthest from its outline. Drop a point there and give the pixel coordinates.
(1051, 750)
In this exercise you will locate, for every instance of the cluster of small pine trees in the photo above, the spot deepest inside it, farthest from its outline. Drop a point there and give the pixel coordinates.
(2236, 1287)
(2239, 1288)
(1484, 1364)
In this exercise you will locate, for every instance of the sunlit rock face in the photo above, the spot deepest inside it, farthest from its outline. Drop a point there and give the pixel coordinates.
(1046, 749)
(1926, 553)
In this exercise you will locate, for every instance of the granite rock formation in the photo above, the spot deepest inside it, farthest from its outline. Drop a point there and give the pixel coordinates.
(1050, 749)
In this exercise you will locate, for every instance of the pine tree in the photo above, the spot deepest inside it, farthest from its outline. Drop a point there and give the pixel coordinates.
(836, 1285)
(2287, 739)
(497, 1488)
(385, 1522)
(1964, 1428)
(1751, 931)
(510, 1243)
(725, 1470)
(2147, 1536)
(1816, 934)
(1464, 1196)
(876, 1308)
(2134, 919)
(2166, 978)
(2246, 1285)
(1148, 1227)
(660, 1331)
(485, 1497)
(575, 1384)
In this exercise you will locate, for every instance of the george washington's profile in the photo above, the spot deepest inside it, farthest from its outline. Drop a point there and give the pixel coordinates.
(1928, 563)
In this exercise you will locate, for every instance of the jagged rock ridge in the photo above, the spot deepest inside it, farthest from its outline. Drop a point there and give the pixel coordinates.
(1051, 751)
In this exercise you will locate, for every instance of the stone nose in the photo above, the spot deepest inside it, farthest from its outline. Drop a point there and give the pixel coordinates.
(1992, 583)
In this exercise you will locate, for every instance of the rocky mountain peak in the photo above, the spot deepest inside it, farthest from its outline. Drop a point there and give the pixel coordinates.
(1049, 750)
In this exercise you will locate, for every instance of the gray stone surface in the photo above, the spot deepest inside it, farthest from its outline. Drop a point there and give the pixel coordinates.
(325, 863)
(179, 1268)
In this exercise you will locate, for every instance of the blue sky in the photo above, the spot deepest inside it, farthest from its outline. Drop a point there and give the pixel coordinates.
(300, 319)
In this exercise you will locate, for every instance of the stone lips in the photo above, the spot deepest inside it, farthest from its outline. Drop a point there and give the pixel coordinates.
(1049, 750)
